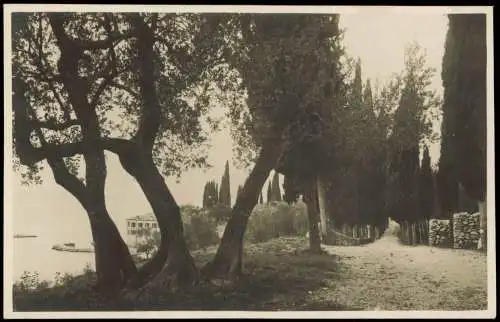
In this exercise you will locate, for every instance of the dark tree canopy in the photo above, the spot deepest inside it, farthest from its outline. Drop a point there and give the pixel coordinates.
(426, 187)
(291, 189)
(464, 109)
(412, 128)
(210, 195)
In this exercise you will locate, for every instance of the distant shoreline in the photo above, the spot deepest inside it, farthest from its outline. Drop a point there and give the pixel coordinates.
(24, 236)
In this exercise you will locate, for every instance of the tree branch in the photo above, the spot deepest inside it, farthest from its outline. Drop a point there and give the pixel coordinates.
(110, 42)
(126, 88)
(23, 127)
(67, 180)
(53, 125)
(151, 113)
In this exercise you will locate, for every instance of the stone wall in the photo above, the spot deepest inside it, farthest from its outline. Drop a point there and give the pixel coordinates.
(440, 233)
(465, 230)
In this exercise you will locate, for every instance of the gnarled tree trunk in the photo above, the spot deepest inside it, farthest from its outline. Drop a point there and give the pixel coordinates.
(113, 261)
(114, 264)
(228, 259)
(172, 264)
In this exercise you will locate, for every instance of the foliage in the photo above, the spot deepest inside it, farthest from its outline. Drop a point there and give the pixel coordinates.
(183, 78)
(412, 128)
(277, 219)
(291, 189)
(279, 76)
(29, 282)
(210, 194)
(464, 109)
(219, 213)
(427, 191)
(225, 187)
(148, 245)
(200, 229)
(447, 185)
(356, 181)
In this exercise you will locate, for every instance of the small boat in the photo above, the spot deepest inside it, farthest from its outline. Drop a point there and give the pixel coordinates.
(71, 247)
(24, 236)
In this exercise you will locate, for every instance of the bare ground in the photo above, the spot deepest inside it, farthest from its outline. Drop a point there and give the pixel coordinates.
(387, 275)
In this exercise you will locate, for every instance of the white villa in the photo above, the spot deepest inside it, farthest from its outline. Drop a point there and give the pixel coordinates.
(144, 223)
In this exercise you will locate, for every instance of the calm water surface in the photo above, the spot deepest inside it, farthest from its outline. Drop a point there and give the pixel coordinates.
(35, 254)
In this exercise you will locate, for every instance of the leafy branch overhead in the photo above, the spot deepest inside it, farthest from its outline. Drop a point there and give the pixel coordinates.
(108, 63)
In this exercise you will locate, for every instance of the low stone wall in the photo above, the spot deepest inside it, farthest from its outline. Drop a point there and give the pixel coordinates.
(440, 233)
(465, 230)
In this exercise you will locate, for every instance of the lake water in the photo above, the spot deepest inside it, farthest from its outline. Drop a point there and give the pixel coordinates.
(35, 254)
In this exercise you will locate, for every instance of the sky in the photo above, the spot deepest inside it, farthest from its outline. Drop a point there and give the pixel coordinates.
(377, 36)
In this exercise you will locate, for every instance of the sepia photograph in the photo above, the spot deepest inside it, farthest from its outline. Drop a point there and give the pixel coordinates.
(248, 161)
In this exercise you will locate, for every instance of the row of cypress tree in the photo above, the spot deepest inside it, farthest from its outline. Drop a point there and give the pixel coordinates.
(215, 195)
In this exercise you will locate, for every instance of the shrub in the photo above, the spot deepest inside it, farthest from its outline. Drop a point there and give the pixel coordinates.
(147, 246)
(200, 229)
(220, 213)
(61, 280)
(30, 281)
(277, 219)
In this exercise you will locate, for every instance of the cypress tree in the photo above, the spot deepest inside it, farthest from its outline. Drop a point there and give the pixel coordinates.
(410, 129)
(225, 188)
(446, 177)
(370, 175)
(405, 164)
(211, 194)
(464, 109)
(464, 83)
(215, 192)
(426, 186)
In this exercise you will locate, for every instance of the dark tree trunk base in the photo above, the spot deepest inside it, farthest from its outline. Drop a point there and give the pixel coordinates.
(179, 271)
(228, 265)
(228, 262)
(114, 264)
(147, 272)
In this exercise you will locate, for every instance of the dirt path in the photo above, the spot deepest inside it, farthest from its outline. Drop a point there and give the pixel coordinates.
(387, 275)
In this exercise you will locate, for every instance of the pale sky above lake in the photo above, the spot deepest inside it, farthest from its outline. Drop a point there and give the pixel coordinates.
(377, 36)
